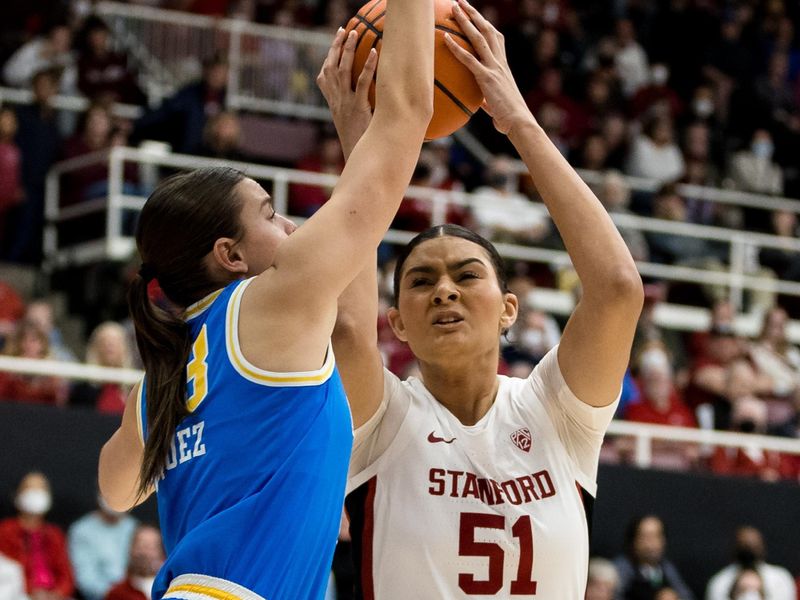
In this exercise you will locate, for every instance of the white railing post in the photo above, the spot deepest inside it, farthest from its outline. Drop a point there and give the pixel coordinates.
(52, 193)
(280, 193)
(644, 451)
(233, 99)
(736, 271)
(116, 176)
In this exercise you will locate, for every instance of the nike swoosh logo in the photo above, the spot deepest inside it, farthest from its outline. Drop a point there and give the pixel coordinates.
(433, 439)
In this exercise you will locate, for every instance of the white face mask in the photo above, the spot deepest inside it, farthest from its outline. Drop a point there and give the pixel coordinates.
(749, 595)
(703, 107)
(659, 75)
(33, 501)
(143, 584)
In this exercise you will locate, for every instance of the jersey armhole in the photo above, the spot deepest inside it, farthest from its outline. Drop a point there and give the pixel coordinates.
(141, 414)
(260, 376)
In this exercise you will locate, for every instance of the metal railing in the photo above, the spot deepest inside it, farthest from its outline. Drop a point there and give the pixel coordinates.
(643, 434)
(114, 245)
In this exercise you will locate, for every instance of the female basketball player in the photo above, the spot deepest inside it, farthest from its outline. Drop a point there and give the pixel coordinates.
(241, 423)
(465, 483)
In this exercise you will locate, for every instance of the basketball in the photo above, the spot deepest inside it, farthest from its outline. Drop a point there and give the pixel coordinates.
(456, 94)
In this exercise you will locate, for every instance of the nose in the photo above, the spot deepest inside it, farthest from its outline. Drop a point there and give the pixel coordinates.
(288, 225)
(445, 292)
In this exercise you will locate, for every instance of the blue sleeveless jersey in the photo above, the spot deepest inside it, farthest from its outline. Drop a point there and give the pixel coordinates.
(251, 498)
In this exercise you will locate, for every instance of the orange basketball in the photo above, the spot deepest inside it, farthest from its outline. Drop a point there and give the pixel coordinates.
(456, 95)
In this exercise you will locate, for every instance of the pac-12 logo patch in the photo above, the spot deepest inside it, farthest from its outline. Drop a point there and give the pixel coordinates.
(522, 439)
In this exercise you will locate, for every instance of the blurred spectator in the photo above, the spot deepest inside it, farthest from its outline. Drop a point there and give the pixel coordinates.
(777, 99)
(94, 134)
(181, 119)
(108, 347)
(748, 585)
(416, 214)
(774, 356)
(667, 593)
(656, 95)
(753, 170)
(644, 568)
(614, 129)
(29, 341)
(38, 138)
(615, 196)
(602, 581)
(305, 200)
(221, 137)
(594, 154)
(40, 312)
(750, 416)
(98, 548)
(649, 332)
(671, 248)
(11, 191)
(550, 90)
(729, 62)
(146, 557)
(749, 557)
(534, 332)
(12, 309)
(12, 579)
(37, 545)
(103, 73)
(784, 262)
(50, 51)
(630, 59)
(503, 214)
(654, 153)
(661, 401)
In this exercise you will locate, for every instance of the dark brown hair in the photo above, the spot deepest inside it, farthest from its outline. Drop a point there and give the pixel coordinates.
(177, 229)
(451, 231)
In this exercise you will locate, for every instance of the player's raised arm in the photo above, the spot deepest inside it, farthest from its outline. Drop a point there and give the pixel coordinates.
(595, 347)
(331, 248)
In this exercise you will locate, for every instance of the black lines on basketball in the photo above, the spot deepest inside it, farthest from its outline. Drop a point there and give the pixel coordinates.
(370, 25)
(373, 7)
(453, 32)
(452, 97)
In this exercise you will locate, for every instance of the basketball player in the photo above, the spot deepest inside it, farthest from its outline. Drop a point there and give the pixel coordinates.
(241, 423)
(464, 483)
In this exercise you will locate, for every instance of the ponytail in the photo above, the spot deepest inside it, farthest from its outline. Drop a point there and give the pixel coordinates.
(164, 343)
(177, 229)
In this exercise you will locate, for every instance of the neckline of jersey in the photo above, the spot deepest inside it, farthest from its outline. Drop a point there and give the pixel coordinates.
(483, 424)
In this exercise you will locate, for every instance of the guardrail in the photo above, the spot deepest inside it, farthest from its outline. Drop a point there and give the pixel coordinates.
(644, 434)
(116, 246)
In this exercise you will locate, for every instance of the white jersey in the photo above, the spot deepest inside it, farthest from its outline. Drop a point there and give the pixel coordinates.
(494, 510)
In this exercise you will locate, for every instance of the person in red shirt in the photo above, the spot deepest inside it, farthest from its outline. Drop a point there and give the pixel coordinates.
(146, 557)
(662, 404)
(29, 341)
(37, 545)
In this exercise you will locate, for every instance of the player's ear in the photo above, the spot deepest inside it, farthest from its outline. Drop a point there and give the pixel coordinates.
(510, 311)
(227, 254)
(396, 323)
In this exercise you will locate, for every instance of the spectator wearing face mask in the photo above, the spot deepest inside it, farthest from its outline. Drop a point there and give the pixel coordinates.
(753, 170)
(657, 93)
(749, 557)
(37, 545)
(98, 548)
(146, 557)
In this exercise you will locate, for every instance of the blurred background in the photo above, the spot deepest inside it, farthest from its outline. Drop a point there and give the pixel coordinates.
(683, 116)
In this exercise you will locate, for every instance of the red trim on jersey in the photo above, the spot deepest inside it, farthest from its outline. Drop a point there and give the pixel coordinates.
(367, 586)
(580, 491)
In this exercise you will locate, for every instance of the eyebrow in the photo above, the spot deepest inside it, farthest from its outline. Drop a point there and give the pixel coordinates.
(451, 267)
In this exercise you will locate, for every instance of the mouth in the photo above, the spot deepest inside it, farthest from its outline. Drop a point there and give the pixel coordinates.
(447, 320)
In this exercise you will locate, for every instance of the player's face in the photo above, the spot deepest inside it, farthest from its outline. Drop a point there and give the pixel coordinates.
(450, 303)
(264, 229)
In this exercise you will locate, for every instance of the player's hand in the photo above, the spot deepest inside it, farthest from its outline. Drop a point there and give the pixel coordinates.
(350, 109)
(503, 100)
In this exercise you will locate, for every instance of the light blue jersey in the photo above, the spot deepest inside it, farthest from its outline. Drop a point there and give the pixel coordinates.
(251, 498)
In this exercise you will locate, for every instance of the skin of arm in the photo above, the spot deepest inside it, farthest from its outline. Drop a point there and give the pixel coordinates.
(120, 460)
(595, 347)
(355, 336)
(333, 245)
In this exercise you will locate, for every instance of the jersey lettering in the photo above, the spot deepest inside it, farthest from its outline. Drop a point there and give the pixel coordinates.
(520, 490)
(186, 445)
